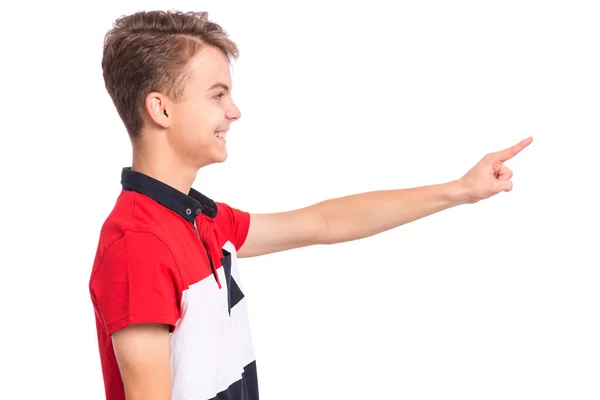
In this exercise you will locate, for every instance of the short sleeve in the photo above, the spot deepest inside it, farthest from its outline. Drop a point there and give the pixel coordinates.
(136, 282)
(235, 222)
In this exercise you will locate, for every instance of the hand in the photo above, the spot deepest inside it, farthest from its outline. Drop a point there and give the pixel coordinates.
(490, 176)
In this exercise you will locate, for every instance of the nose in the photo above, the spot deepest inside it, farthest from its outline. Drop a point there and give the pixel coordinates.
(233, 113)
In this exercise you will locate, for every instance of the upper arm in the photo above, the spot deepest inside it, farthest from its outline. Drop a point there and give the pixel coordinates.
(142, 353)
(136, 291)
(270, 233)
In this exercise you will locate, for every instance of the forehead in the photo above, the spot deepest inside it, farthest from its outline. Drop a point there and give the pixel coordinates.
(210, 65)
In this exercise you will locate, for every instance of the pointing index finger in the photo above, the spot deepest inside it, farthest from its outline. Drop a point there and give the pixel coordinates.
(509, 153)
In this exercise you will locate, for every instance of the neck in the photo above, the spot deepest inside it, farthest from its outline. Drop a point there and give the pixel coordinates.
(165, 168)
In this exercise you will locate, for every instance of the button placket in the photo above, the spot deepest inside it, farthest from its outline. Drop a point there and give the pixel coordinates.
(206, 236)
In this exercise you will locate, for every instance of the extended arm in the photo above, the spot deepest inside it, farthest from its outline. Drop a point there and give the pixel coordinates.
(348, 218)
(366, 214)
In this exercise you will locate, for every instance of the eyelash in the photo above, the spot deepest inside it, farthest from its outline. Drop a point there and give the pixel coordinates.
(219, 96)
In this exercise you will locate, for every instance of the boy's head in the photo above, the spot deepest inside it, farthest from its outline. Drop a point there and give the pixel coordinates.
(168, 74)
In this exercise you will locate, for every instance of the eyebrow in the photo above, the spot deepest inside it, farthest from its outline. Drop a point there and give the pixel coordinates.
(219, 85)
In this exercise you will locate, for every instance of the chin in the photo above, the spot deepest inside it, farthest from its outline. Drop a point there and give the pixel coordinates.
(213, 156)
(218, 158)
(221, 157)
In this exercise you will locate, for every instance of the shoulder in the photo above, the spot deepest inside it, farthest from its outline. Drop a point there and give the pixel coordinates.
(229, 216)
(233, 223)
(132, 212)
(132, 235)
(132, 250)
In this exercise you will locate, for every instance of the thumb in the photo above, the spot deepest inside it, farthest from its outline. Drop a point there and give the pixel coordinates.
(504, 186)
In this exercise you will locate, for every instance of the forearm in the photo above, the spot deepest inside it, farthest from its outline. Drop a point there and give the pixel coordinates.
(366, 214)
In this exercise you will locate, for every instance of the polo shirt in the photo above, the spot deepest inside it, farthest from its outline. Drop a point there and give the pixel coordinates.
(170, 258)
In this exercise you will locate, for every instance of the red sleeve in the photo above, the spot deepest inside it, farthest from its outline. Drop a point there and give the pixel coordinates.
(137, 281)
(235, 222)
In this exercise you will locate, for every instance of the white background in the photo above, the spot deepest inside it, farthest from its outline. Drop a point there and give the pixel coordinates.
(497, 300)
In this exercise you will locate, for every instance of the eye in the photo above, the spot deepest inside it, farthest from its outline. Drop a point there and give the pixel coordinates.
(219, 96)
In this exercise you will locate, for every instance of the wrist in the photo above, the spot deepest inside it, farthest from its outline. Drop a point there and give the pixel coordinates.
(458, 192)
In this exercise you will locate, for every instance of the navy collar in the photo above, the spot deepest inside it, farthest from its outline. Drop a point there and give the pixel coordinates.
(188, 206)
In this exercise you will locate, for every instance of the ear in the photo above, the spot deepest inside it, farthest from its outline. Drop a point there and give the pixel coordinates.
(158, 108)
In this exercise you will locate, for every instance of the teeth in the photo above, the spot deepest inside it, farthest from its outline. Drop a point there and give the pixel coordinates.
(220, 134)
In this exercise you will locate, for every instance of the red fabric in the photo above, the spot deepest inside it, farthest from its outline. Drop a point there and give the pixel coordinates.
(147, 256)
(235, 222)
(137, 281)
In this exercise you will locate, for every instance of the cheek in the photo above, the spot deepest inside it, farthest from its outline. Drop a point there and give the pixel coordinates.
(199, 121)
(189, 120)
(217, 113)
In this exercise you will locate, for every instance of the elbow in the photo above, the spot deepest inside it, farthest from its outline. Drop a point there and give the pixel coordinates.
(323, 234)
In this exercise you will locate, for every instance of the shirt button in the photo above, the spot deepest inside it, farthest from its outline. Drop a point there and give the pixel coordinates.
(188, 211)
